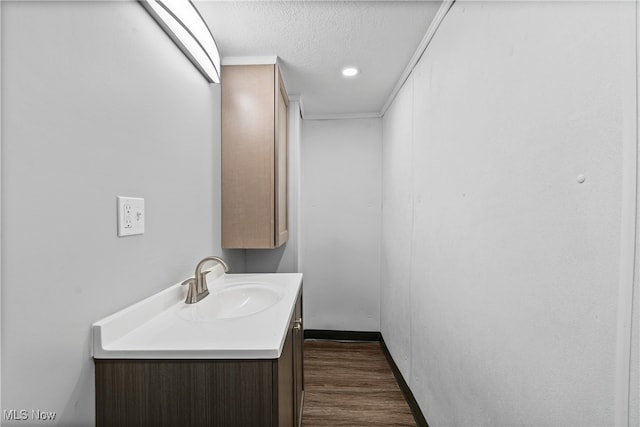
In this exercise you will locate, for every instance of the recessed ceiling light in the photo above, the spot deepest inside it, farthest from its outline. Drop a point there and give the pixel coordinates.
(350, 72)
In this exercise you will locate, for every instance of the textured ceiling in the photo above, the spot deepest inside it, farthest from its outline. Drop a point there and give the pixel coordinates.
(314, 40)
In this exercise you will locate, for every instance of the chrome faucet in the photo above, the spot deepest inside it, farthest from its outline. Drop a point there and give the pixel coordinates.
(198, 284)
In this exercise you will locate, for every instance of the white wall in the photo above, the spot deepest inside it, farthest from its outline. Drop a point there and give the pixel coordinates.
(500, 271)
(397, 228)
(1, 133)
(634, 383)
(97, 102)
(340, 214)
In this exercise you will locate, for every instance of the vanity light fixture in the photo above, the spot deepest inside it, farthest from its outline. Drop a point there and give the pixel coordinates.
(350, 71)
(184, 24)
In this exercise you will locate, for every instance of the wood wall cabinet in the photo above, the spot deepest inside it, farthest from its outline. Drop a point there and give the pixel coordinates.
(197, 393)
(254, 157)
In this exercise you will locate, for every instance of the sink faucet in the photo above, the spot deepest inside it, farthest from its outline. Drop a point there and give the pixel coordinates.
(198, 284)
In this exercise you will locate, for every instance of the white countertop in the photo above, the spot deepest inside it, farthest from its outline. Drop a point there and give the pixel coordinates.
(164, 327)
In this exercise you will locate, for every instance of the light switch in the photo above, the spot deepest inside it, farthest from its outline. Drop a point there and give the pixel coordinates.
(130, 216)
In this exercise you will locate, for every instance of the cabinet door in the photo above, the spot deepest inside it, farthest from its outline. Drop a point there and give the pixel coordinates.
(298, 360)
(286, 411)
(282, 173)
(255, 181)
(248, 156)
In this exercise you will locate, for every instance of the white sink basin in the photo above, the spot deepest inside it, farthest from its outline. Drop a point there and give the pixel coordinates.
(245, 316)
(237, 300)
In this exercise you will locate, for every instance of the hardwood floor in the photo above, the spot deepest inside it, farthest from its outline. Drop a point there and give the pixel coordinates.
(351, 384)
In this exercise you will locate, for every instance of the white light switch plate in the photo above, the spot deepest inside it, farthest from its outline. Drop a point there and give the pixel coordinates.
(130, 216)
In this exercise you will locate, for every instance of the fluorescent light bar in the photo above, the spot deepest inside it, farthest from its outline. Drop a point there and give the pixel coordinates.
(182, 22)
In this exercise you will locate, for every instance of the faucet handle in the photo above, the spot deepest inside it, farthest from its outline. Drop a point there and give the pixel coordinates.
(192, 292)
(187, 282)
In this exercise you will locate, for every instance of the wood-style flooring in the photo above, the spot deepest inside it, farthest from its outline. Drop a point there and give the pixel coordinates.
(351, 384)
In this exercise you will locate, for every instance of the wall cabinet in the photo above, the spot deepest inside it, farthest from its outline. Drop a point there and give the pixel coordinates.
(254, 157)
(190, 393)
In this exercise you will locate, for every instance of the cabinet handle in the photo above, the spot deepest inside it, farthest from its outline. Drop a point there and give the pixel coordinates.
(298, 324)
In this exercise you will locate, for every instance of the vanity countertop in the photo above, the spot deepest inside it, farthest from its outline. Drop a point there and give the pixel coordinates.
(164, 327)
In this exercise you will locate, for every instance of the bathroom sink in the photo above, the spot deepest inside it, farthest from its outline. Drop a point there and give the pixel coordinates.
(245, 316)
(233, 301)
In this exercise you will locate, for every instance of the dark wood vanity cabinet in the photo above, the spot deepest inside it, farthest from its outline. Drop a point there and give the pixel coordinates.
(291, 372)
(212, 392)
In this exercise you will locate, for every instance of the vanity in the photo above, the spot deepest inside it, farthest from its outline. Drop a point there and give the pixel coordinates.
(234, 358)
